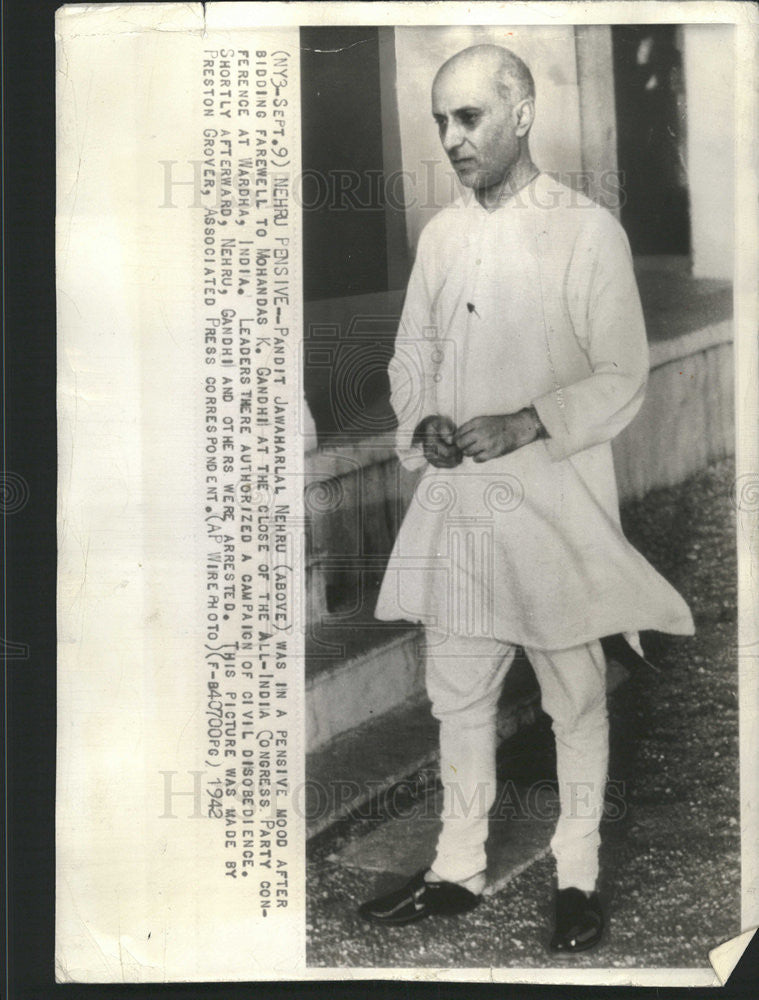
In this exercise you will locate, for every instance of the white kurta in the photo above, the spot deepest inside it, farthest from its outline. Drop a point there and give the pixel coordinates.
(532, 304)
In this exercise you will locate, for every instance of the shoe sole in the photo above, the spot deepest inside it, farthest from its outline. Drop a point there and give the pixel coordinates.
(412, 918)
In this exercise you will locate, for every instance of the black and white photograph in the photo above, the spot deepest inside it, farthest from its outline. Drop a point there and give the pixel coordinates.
(521, 672)
(391, 602)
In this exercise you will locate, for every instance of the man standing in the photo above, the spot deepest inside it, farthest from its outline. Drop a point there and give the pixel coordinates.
(521, 353)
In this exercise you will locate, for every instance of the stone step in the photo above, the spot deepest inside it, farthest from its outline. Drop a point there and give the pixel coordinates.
(370, 760)
(406, 844)
(346, 688)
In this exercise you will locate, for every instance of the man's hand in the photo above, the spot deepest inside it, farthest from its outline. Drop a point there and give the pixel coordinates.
(435, 434)
(483, 438)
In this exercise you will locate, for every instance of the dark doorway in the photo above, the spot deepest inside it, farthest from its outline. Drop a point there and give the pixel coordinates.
(344, 237)
(350, 316)
(650, 102)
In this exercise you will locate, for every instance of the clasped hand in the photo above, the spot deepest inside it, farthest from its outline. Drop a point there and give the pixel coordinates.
(481, 438)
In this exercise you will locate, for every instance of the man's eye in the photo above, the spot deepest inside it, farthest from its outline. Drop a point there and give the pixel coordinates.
(469, 120)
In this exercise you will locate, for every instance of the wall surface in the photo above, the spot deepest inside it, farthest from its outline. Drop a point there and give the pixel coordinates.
(429, 182)
(687, 417)
(710, 95)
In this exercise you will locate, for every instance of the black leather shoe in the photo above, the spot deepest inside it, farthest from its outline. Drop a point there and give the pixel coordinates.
(579, 921)
(418, 899)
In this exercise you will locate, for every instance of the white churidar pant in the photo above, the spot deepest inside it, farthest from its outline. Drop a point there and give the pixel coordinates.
(464, 680)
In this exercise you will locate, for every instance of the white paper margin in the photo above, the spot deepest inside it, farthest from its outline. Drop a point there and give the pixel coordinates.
(72, 606)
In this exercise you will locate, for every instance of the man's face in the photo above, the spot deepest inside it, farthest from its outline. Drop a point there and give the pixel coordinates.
(477, 126)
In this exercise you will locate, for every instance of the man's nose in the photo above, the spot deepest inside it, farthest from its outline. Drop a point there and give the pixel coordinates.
(453, 137)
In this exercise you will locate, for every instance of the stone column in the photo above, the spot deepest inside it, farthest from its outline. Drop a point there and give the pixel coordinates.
(598, 118)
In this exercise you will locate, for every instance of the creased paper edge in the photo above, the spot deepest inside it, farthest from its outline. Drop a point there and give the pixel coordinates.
(726, 956)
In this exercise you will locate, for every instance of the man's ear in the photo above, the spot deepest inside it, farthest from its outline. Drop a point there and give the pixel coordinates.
(524, 114)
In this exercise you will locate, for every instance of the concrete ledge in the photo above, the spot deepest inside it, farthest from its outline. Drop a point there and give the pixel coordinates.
(687, 417)
(661, 352)
(338, 459)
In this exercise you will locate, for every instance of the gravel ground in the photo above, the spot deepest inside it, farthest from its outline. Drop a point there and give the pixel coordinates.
(670, 865)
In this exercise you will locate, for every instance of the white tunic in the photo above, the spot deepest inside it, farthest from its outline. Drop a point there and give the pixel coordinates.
(532, 304)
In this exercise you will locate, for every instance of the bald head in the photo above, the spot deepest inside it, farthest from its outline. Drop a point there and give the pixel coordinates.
(493, 64)
(483, 103)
